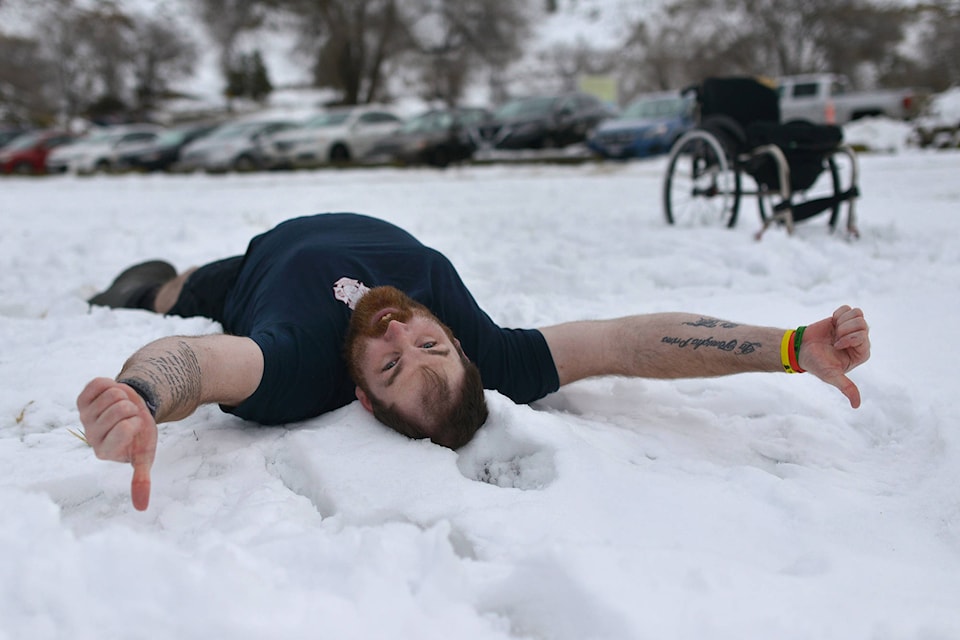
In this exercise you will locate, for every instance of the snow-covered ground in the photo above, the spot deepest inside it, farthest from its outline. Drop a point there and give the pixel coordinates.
(755, 506)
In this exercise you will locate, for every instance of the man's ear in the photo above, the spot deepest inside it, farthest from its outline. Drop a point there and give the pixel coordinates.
(364, 400)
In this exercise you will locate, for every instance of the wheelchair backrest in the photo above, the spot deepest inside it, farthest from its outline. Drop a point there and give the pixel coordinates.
(744, 99)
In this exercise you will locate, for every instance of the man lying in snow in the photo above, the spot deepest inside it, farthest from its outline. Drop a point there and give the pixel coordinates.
(327, 308)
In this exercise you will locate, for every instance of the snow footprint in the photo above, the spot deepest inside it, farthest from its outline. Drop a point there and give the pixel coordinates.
(501, 460)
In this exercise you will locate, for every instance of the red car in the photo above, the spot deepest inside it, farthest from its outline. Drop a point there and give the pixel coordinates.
(27, 153)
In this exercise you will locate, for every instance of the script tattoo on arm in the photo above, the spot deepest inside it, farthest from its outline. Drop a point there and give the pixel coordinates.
(172, 374)
(712, 323)
(732, 345)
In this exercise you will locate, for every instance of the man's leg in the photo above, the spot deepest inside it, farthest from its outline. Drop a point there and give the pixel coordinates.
(199, 291)
(136, 287)
(169, 292)
(155, 286)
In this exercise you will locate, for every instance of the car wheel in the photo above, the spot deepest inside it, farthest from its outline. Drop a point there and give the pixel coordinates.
(549, 142)
(339, 154)
(102, 166)
(245, 164)
(440, 158)
(23, 169)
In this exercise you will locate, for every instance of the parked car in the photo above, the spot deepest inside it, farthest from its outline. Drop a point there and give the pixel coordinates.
(100, 150)
(165, 151)
(826, 98)
(234, 146)
(647, 127)
(546, 122)
(437, 137)
(27, 153)
(336, 136)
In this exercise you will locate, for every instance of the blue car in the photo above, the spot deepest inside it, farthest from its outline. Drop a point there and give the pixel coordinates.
(648, 127)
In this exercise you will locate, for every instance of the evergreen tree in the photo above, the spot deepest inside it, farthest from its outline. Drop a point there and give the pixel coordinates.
(247, 77)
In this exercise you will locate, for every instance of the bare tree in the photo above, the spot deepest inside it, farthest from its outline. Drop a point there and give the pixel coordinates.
(936, 61)
(225, 21)
(97, 60)
(107, 33)
(26, 82)
(162, 56)
(350, 42)
(654, 58)
(771, 37)
(859, 38)
(456, 39)
(61, 32)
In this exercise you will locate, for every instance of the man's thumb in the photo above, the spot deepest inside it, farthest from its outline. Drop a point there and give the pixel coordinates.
(848, 388)
(140, 487)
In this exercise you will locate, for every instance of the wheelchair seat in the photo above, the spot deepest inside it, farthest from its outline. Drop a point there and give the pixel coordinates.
(804, 144)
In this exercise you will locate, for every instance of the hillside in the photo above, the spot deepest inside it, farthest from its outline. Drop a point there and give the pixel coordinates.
(598, 22)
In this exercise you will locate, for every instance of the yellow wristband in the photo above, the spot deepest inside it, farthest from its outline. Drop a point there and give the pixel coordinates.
(785, 351)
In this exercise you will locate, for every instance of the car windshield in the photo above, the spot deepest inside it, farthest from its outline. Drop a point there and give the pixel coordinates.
(657, 108)
(172, 137)
(527, 107)
(472, 116)
(238, 130)
(432, 121)
(105, 137)
(329, 119)
(24, 141)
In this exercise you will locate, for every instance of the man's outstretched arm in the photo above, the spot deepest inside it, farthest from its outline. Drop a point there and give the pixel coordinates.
(164, 381)
(680, 345)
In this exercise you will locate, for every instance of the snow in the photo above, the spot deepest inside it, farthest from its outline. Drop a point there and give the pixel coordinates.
(946, 106)
(943, 111)
(754, 506)
(878, 134)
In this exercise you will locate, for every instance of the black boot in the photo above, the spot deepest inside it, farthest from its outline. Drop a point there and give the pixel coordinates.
(136, 288)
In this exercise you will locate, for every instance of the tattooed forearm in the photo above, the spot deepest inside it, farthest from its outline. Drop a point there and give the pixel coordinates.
(172, 374)
(713, 323)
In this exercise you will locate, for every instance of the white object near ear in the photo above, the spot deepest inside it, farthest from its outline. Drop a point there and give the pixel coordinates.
(349, 291)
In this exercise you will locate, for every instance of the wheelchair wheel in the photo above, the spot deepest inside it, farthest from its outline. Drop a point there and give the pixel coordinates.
(701, 187)
(830, 183)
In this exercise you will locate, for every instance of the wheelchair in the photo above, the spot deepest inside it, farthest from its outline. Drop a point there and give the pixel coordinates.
(799, 169)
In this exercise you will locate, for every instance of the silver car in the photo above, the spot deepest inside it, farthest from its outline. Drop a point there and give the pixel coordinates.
(336, 136)
(100, 150)
(235, 146)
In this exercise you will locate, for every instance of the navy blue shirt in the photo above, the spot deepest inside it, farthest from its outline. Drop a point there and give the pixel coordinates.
(285, 298)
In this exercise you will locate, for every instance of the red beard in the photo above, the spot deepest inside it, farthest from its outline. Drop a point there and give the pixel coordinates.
(365, 323)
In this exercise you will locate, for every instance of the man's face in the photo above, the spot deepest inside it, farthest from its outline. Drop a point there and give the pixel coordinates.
(402, 352)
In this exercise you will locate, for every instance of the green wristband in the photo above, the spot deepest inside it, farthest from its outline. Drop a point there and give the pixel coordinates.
(797, 339)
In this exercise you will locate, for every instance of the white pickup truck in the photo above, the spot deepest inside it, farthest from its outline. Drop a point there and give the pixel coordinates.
(826, 98)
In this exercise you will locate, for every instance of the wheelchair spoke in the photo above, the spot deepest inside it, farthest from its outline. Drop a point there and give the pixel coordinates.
(701, 187)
